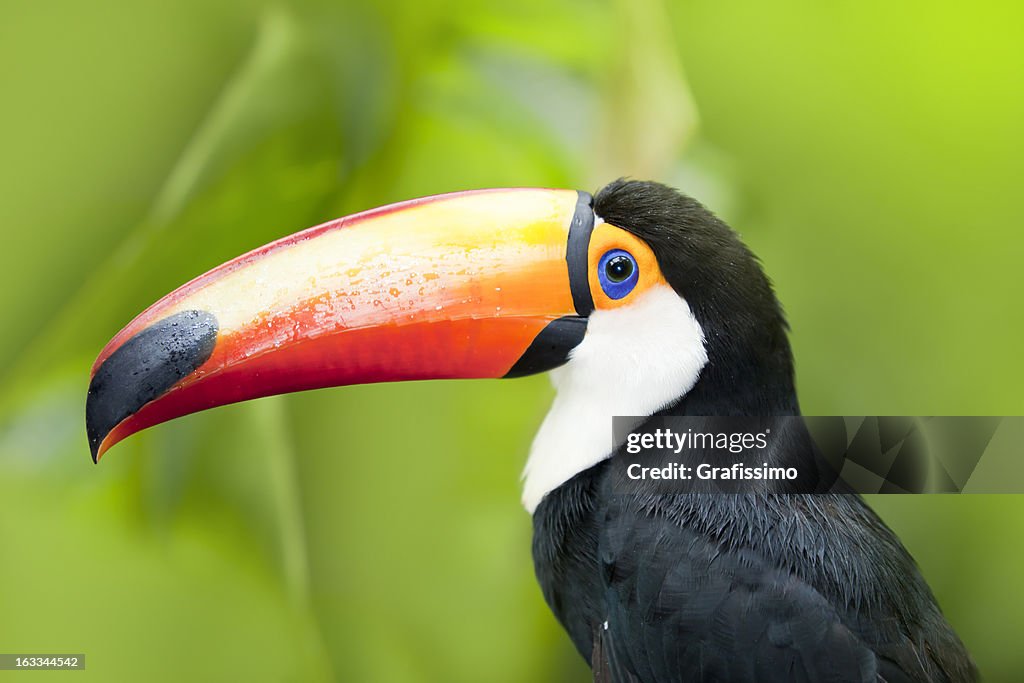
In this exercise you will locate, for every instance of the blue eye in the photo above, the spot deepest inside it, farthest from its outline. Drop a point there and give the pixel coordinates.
(618, 273)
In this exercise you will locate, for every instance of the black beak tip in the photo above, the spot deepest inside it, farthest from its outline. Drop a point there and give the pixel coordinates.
(95, 449)
(144, 368)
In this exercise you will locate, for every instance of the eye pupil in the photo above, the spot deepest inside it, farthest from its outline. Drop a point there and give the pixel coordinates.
(619, 268)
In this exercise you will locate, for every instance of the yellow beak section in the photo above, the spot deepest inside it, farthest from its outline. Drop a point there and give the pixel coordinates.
(459, 285)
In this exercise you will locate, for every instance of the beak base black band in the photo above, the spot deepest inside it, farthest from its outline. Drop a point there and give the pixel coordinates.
(576, 257)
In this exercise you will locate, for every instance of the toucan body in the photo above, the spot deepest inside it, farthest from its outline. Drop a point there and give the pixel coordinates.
(640, 302)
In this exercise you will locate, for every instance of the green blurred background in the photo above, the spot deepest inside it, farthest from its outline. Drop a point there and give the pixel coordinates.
(870, 152)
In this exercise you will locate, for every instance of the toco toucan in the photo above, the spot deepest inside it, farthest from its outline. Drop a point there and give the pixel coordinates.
(642, 303)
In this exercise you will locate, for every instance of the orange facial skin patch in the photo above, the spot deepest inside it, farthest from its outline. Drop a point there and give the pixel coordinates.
(607, 237)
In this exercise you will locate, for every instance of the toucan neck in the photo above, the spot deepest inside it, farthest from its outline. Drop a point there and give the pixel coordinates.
(739, 382)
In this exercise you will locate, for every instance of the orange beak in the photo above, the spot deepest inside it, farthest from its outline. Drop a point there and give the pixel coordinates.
(490, 283)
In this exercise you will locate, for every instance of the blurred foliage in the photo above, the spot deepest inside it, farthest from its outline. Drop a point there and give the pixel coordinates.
(870, 153)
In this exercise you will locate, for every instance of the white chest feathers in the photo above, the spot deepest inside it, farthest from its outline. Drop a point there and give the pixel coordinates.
(634, 360)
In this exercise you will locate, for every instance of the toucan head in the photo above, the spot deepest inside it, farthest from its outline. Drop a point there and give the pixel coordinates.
(643, 297)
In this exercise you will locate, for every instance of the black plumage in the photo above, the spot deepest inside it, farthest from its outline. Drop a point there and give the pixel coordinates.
(764, 586)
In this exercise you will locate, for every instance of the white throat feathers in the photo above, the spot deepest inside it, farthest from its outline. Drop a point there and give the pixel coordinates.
(633, 360)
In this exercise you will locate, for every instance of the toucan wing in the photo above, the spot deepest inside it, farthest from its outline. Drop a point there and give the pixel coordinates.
(681, 608)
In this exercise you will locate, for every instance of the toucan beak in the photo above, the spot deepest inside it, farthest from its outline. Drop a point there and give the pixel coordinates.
(489, 283)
